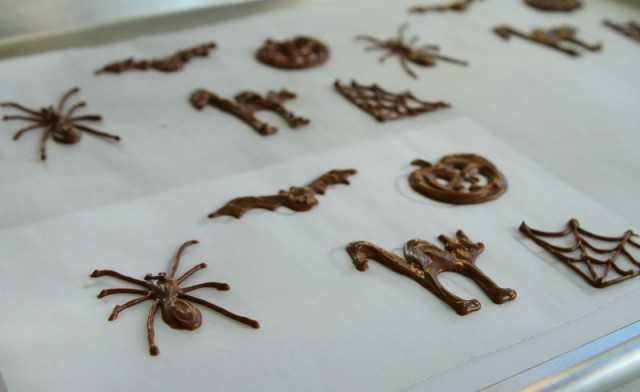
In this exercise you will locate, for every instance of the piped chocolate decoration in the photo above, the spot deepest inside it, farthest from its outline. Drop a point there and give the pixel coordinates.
(292, 54)
(423, 56)
(58, 123)
(247, 103)
(630, 30)
(424, 261)
(551, 38)
(458, 179)
(555, 5)
(167, 295)
(298, 199)
(173, 63)
(580, 256)
(384, 105)
(455, 6)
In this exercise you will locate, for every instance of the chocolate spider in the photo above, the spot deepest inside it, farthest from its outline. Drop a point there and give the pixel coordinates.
(424, 56)
(167, 295)
(57, 124)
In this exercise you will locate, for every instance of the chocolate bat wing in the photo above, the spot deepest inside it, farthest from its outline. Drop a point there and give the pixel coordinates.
(241, 205)
(333, 177)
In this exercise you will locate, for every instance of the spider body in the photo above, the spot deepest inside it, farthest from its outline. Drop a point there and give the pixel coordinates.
(407, 52)
(168, 296)
(57, 123)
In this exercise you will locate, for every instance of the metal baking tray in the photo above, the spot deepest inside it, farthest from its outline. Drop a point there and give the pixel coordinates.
(610, 362)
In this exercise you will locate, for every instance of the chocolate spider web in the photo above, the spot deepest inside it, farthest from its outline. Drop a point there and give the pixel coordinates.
(586, 265)
(384, 105)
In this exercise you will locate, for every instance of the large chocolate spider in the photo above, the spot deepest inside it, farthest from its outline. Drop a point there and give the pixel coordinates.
(424, 56)
(168, 297)
(58, 124)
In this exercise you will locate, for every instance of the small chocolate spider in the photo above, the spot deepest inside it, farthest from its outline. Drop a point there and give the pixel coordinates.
(167, 295)
(59, 125)
(424, 56)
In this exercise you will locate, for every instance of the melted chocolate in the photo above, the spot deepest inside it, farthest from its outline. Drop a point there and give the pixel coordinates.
(456, 6)
(425, 261)
(247, 103)
(174, 302)
(296, 53)
(299, 199)
(57, 123)
(423, 56)
(551, 38)
(555, 5)
(384, 105)
(630, 30)
(458, 179)
(173, 63)
(596, 272)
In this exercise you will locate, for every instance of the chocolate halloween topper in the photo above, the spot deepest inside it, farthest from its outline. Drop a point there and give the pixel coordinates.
(631, 29)
(384, 105)
(424, 261)
(555, 5)
(455, 6)
(296, 53)
(173, 63)
(423, 56)
(619, 265)
(167, 295)
(551, 38)
(247, 103)
(299, 199)
(57, 122)
(458, 179)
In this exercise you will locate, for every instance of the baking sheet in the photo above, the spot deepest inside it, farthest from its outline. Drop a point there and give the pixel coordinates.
(324, 324)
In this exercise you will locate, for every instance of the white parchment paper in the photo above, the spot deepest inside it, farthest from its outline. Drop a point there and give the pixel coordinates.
(559, 111)
(325, 325)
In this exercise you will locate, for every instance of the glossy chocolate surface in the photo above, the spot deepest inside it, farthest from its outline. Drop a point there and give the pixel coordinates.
(424, 261)
(384, 105)
(458, 179)
(296, 53)
(299, 199)
(167, 294)
(587, 259)
(57, 122)
(247, 103)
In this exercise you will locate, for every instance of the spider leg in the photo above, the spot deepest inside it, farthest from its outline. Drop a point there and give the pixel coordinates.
(26, 118)
(151, 333)
(119, 308)
(405, 66)
(75, 107)
(19, 107)
(435, 48)
(386, 56)
(213, 285)
(117, 275)
(370, 39)
(107, 292)
(97, 133)
(247, 321)
(88, 117)
(370, 48)
(192, 271)
(176, 259)
(43, 144)
(20, 132)
(65, 97)
(450, 60)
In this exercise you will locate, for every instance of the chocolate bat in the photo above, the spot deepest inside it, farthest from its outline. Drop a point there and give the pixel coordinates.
(298, 199)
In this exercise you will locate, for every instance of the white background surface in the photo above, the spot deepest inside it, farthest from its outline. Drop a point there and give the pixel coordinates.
(576, 118)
